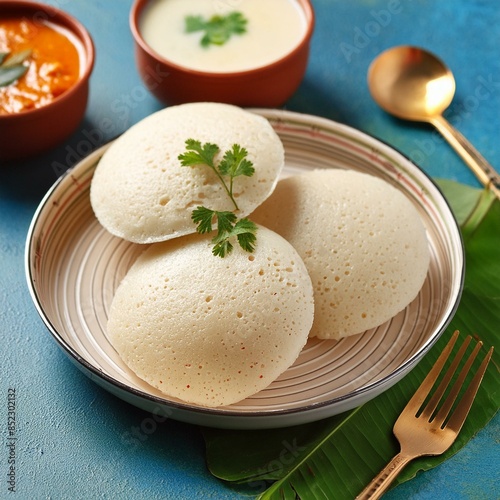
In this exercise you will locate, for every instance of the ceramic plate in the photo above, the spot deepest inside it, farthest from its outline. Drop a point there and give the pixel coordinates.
(74, 266)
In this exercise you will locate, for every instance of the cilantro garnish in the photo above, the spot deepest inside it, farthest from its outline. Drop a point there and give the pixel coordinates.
(218, 29)
(228, 225)
(12, 67)
(234, 163)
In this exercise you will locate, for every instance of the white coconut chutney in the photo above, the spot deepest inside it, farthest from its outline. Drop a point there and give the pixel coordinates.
(274, 28)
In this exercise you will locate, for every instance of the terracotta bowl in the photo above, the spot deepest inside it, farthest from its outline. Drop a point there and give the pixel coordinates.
(34, 131)
(266, 86)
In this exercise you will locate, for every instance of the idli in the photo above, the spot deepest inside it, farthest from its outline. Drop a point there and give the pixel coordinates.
(362, 241)
(140, 191)
(212, 331)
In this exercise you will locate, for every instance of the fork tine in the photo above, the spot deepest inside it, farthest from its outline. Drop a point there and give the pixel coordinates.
(459, 382)
(461, 411)
(422, 392)
(431, 406)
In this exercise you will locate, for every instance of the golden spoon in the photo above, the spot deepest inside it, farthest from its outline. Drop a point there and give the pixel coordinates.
(413, 84)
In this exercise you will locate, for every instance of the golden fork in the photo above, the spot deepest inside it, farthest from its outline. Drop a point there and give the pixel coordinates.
(429, 430)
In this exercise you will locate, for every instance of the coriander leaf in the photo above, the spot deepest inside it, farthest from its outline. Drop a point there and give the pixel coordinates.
(225, 221)
(228, 226)
(222, 245)
(198, 155)
(234, 162)
(203, 217)
(245, 231)
(218, 29)
(222, 248)
(237, 22)
(195, 23)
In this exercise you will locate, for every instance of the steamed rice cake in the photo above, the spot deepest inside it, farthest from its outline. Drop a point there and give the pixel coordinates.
(207, 330)
(140, 191)
(362, 241)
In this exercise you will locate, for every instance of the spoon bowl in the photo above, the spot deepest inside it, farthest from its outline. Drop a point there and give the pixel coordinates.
(413, 84)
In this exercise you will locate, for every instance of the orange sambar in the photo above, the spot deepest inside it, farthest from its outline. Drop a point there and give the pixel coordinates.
(54, 64)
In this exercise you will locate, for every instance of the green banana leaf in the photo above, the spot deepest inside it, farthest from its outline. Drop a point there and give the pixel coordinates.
(338, 456)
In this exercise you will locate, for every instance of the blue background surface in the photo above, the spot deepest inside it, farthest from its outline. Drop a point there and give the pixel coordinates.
(74, 440)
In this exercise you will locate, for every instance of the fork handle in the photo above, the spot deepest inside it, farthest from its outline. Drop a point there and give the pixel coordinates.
(379, 484)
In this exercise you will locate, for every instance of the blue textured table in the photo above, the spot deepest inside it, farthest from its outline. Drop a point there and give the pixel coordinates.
(72, 435)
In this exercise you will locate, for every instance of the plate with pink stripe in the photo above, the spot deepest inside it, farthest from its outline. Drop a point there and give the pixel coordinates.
(73, 267)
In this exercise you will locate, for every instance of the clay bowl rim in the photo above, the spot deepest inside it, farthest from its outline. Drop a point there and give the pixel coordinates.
(58, 17)
(139, 5)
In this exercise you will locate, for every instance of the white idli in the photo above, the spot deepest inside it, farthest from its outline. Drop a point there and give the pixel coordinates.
(140, 191)
(362, 241)
(207, 330)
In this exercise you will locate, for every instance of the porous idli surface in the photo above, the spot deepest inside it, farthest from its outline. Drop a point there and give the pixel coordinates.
(140, 191)
(207, 330)
(363, 243)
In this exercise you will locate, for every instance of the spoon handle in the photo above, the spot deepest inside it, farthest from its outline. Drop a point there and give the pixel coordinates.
(481, 168)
